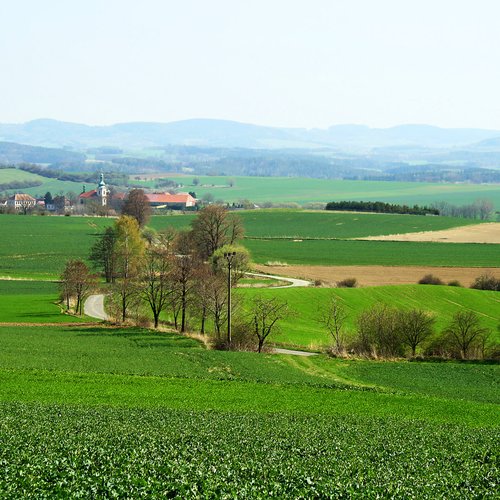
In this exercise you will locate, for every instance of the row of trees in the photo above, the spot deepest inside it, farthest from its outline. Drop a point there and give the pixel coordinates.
(380, 207)
(388, 332)
(185, 274)
(479, 209)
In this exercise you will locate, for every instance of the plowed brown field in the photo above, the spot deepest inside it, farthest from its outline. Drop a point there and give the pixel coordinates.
(379, 275)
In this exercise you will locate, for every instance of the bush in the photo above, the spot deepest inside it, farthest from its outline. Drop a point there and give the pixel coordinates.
(347, 283)
(486, 281)
(430, 279)
(454, 283)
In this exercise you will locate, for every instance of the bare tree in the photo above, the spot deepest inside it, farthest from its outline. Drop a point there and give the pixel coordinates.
(137, 205)
(415, 326)
(129, 251)
(156, 287)
(76, 284)
(333, 317)
(465, 331)
(215, 227)
(265, 314)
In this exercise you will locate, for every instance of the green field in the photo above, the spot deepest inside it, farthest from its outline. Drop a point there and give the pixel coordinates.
(365, 253)
(304, 330)
(114, 412)
(31, 302)
(38, 247)
(55, 186)
(301, 190)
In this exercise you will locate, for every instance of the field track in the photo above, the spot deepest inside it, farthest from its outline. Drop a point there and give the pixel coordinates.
(478, 233)
(379, 275)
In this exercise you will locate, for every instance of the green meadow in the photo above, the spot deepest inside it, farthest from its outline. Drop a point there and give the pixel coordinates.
(129, 412)
(302, 190)
(302, 328)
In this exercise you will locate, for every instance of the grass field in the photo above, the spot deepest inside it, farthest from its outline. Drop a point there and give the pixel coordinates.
(301, 190)
(31, 302)
(38, 247)
(110, 412)
(55, 186)
(304, 330)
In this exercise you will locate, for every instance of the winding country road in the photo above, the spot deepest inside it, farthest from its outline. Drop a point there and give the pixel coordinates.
(94, 307)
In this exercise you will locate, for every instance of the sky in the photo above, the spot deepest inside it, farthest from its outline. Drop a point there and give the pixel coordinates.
(287, 63)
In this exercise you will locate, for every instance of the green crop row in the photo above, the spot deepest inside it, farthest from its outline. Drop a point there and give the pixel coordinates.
(64, 451)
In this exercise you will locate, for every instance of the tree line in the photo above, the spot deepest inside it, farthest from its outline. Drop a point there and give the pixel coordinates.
(380, 207)
(383, 331)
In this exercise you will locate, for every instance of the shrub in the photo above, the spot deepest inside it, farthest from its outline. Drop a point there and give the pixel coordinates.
(454, 283)
(347, 283)
(486, 281)
(430, 279)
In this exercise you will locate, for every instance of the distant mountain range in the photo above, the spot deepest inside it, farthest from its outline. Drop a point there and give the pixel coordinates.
(230, 134)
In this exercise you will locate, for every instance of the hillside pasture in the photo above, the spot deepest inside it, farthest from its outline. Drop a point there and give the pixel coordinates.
(303, 329)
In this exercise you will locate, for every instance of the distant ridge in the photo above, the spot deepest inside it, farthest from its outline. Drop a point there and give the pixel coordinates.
(230, 134)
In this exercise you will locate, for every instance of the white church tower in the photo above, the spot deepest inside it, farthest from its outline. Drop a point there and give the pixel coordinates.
(102, 191)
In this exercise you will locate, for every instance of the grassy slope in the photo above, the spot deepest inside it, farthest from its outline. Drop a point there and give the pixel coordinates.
(31, 301)
(303, 329)
(53, 185)
(300, 190)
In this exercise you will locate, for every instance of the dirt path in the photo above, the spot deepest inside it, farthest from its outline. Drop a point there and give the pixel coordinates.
(293, 352)
(488, 232)
(380, 275)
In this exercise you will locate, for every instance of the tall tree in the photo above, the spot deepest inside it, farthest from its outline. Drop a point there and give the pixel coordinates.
(215, 227)
(137, 205)
(333, 317)
(129, 250)
(103, 254)
(185, 264)
(156, 287)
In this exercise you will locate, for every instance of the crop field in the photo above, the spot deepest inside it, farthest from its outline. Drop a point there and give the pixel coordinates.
(304, 330)
(301, 190)
(30, 302)
(37, 247)
(387, 253)
(130, 412)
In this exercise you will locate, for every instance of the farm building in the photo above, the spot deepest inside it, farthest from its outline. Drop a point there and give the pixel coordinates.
(21, 201)
(174, 201)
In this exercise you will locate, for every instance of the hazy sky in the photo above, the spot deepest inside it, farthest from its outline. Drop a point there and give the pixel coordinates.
(296, 63)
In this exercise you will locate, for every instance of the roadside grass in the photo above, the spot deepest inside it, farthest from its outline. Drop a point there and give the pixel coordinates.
(31, 302)
(304, 330)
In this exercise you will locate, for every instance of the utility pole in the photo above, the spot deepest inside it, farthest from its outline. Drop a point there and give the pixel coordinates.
(229, 257)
